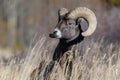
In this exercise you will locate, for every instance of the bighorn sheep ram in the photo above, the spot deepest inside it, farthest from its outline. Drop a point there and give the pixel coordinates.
(69, 31)
(68, 28)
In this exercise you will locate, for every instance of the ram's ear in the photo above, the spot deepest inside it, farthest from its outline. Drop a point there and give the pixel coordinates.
(82, 23)
(79, 20)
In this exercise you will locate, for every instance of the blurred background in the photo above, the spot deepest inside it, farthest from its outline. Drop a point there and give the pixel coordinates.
(20, 20)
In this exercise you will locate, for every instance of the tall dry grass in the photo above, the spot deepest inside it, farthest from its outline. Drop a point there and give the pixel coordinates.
(99, 62)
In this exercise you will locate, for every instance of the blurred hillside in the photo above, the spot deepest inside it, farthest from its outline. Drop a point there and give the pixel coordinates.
(20, 20)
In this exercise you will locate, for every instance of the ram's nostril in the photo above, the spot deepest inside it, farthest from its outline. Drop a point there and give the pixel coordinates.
(54, 32)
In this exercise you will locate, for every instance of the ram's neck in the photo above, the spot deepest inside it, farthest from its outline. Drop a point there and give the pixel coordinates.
(77, 40)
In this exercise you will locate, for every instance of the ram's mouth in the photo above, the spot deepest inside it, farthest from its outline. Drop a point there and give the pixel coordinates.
(54, 36)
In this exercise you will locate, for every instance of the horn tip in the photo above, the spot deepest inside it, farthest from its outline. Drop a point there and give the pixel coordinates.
(63, 11)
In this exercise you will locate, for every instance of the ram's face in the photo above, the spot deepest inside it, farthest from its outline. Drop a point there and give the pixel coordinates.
(66, 28)
(68, 22)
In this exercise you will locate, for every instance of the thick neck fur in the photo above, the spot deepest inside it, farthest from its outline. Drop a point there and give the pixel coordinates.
(63, 46)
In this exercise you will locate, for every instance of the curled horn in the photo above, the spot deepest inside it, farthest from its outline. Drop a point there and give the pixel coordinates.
(88, 15)
(62, 11)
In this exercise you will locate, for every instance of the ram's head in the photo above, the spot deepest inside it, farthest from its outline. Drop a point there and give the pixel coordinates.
(68, 26)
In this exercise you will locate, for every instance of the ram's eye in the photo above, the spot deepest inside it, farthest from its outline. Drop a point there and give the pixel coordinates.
(70, 23)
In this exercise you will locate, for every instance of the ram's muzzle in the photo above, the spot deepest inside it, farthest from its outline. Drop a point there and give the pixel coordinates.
(56, 34)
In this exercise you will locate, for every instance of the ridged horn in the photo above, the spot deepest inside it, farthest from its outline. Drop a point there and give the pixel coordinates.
(88, 15)
(62, 11)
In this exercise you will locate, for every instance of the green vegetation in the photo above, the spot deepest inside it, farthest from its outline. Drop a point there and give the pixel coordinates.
(114, 2)
(18, 45)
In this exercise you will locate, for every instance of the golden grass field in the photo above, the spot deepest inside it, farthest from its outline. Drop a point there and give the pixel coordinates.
(99, 62)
